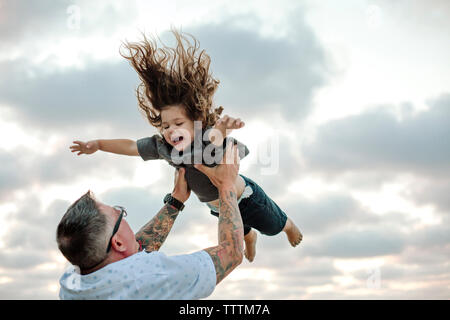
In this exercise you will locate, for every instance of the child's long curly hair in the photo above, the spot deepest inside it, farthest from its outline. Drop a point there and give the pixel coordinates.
(173, 76)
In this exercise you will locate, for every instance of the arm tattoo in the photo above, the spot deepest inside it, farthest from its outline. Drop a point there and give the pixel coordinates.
(154, 233)
(228, 254)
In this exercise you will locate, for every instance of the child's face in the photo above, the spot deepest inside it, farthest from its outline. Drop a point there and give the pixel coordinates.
(176, 127)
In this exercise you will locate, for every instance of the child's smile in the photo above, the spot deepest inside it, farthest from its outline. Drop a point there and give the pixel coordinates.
(176, 139)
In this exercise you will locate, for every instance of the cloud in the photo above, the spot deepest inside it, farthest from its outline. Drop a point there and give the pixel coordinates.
(417, 14)
(329, 211)
(27, 263)
(27, 27)
(273, 164)
(377, 145)
(423, 257)
(305, 272)
(368, 242)
(435, 236)
(376, 140)
(261, 74)
(39, 16)
(434, 192)
(101, 93)
(9, 177)
(23, 168)
(30, 284)
(21, 259)
(33, 229)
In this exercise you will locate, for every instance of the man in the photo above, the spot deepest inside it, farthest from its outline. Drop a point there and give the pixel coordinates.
(110, 262)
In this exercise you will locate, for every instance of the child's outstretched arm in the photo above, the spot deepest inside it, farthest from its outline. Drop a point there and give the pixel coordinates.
(118, 146)
(223, 127)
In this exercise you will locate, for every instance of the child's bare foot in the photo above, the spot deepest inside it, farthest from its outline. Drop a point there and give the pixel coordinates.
(294, 235)
(250, 245)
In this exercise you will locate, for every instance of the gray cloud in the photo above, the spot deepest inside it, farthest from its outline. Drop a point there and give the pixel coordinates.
(41, 17)
(375, 140)
(289, 167)
(392, 272)
(291, 273)
(33, 229)
(262, 74)
(369, 242)
(29, 284)
(21, 259)
(421, 256)
(329, 211)
(437, 236)
(435, 192)
(101, 94)
(22, 168)
(356, 147)
(23, 22)
(254, 290)
(9, 174)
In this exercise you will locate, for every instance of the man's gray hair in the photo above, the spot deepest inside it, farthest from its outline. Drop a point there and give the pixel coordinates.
(82, 233)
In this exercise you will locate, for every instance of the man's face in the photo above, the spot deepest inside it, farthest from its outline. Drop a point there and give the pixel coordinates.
(125, 236)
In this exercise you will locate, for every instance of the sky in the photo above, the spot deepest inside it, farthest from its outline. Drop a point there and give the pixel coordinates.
(347, 112)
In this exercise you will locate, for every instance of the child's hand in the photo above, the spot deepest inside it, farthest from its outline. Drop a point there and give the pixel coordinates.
(85, 147)
(226, 124)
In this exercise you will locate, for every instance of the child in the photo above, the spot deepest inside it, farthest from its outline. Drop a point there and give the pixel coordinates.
(176, 97)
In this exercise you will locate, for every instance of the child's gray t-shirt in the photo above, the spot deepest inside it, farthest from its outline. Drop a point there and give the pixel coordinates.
(156, 147)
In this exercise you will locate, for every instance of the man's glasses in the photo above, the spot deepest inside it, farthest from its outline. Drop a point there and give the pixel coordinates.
(123, 213)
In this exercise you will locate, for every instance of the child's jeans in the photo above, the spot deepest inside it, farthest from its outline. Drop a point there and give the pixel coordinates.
(258, 211)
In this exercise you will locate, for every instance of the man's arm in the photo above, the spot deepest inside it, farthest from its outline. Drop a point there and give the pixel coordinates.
(229, 253)
(154, 233)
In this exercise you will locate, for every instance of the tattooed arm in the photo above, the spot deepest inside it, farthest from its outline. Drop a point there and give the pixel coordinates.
(154, 233)
(228, 254)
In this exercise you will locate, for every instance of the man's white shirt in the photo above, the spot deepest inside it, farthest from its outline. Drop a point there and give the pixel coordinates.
(144, 276)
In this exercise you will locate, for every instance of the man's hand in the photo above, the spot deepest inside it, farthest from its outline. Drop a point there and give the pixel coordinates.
(223, 175)
(181, 191)
(85, 147)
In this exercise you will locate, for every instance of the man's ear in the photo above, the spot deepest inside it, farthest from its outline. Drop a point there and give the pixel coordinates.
(117, 244)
